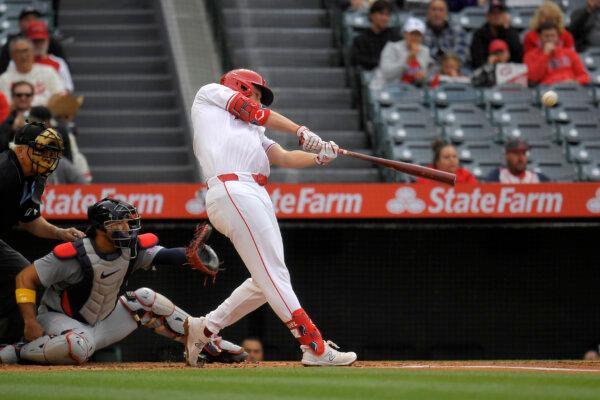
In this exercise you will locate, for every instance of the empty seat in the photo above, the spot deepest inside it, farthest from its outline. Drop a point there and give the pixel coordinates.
(471, 18)
(558, 172)
(409, 122)
(532, 132)
(508, 94)
(521, 17)
(546, 154)
(583, 113)
(414, 152)
(584, 153)
(518, 114)
(450, 93)
(481, 170)
(475, 153)
(568, 93)
(576, 132)
(590, 172)
(471, 132)
(591, 58)
(398, 93)
(458, 114)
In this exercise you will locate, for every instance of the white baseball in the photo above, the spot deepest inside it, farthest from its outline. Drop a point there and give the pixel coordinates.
(550, 98)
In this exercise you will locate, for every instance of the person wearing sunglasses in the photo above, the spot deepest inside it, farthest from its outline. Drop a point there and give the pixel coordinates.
(21, 94)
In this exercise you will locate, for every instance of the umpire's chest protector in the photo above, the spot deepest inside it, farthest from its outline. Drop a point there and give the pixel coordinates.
(94, 297)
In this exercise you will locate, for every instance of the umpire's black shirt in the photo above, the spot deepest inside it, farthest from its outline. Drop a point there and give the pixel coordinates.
(15, 193)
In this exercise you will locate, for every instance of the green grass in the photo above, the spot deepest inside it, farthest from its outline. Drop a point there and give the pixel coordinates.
(296, 383)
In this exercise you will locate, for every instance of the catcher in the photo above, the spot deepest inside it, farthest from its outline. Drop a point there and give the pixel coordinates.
(81, 311)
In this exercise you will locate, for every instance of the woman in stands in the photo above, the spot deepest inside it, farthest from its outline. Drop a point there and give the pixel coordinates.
(445, 158)
(547, 12)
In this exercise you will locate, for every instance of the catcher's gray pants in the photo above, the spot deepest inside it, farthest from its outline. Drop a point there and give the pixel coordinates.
(11, 263)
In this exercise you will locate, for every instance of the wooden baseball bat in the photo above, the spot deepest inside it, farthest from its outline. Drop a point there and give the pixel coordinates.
(407, 168)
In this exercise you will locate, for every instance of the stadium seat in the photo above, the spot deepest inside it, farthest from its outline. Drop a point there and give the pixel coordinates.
(414, 152)
(466, 122)
(590, 172)
(558, 172)
(546, 153)
(482, 169)
(532, 132)
(576, 132)
(521, 17)
(591, 58)
(584, 153)
(501, 95)
(398, 93)
(457, 114)
(475, 153)
(471, 18)
(451, 93)
(568, 93)
(513, 114)
(409, 122)
(581, 113)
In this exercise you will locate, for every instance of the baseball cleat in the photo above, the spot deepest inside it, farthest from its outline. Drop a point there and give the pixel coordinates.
(195, 339)
(9, 353)
(222, 351)
(330, 357)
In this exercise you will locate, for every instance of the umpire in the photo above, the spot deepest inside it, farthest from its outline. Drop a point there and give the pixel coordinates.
(23, 173)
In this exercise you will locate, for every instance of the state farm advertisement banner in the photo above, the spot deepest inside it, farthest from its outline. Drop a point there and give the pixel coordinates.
(186, 201)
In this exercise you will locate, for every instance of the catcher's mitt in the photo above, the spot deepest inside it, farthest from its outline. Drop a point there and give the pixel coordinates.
(199, 255)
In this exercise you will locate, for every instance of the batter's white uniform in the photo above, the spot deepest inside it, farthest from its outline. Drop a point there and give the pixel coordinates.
(241, 209)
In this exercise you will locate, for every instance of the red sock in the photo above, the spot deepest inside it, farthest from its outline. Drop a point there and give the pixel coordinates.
(305, 331)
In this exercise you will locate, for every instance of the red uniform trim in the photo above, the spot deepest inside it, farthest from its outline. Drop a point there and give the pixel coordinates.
(65, 250)
(247, 110)
(65, 304)
(147, 240)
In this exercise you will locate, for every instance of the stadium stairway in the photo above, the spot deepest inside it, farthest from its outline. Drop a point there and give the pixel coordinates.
(132, 127)
(291, 43)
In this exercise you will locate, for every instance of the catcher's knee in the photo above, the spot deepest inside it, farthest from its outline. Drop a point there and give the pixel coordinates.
(71, 347)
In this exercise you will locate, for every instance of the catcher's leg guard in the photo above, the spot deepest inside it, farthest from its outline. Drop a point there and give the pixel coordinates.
(153, 310)
(305, 331)
(71, 347)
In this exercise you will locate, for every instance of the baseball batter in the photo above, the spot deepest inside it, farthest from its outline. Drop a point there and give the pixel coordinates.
(234, 153)
(81, 311)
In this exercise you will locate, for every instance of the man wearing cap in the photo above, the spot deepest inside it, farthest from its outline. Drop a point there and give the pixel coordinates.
(407, 60)
(485, 76)
(496, 27)
(23, 173)
(516, 153)
(27, 15)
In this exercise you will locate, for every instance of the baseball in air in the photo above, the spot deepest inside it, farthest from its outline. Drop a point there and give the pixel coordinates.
(550, 98)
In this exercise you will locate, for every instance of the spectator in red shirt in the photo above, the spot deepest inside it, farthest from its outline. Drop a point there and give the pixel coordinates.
(547, 12)
(445, 159)
(553, 63)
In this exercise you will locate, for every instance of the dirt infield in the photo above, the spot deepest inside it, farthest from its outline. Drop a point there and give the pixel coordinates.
(532, 366)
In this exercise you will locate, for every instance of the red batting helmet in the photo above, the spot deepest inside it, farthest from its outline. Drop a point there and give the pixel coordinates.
(241, 80)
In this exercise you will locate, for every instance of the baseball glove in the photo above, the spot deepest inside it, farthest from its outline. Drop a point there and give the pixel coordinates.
(199, 255)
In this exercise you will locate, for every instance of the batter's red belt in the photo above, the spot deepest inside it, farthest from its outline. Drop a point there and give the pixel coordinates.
(258, 178)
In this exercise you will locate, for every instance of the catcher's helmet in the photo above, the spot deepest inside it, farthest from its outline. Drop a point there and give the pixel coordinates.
(111, 215)
(241, 80)
(45, 147)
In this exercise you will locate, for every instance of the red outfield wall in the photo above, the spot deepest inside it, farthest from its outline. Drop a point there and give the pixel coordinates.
(186, 201)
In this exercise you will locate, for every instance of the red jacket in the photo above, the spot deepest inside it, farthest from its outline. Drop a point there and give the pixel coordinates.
(462, 176)
(532, 40)
(560, 65)
(4, 108)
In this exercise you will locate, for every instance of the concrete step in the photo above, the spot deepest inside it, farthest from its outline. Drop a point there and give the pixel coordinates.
(115, 65)
(284, 18)
(271, 4)
(129, 118)
(321, 120)
(334, 175)
(133, 174)
(133, 100)
(350, 140)
(114, 32)
(131, 156)
(286, 57)
(66, 5)
(107, 16)
(114, 49)
(305, 77)
(279, 37)
(123, 82)
(312, 97)
(131, 137)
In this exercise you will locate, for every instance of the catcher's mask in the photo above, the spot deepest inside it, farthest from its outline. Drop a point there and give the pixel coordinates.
(119, 220)
(44, 147)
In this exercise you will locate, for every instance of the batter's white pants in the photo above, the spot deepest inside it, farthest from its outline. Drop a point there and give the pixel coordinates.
(242, 210)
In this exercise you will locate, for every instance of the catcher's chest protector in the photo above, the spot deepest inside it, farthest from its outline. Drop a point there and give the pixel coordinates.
(94, 297)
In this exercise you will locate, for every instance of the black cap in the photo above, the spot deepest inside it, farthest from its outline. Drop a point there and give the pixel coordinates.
(27, 134)
(40, 114)
(517, 144)
(497, 5)
(29, 10)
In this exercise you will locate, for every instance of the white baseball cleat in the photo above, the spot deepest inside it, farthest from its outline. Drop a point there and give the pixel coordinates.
(330, 357)
(195, 339)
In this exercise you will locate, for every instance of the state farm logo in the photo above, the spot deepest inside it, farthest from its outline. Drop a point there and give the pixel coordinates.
(197, 205)
(593, 204)
(310, 201)
(406, 200)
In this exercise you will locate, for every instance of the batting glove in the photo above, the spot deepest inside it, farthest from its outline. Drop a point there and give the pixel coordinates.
(309, 141)
(329, 151)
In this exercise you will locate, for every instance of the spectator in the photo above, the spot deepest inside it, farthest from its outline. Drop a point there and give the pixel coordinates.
(553, 63)
(449, 71)
(407, 60)
(27, 15)
(366, 48)
(485, 76)
(37, 31)
(585, 25)
(445, 159)
(547, 12)
(44, 79)
(254, 348)
(4, 108)
(440, 36)
(21, 98)
(496, 27)
(516, 153)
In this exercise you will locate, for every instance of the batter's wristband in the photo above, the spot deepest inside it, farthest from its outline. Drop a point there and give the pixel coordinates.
(25, 295)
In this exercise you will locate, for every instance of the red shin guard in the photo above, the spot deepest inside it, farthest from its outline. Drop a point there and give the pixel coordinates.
(305, 331)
